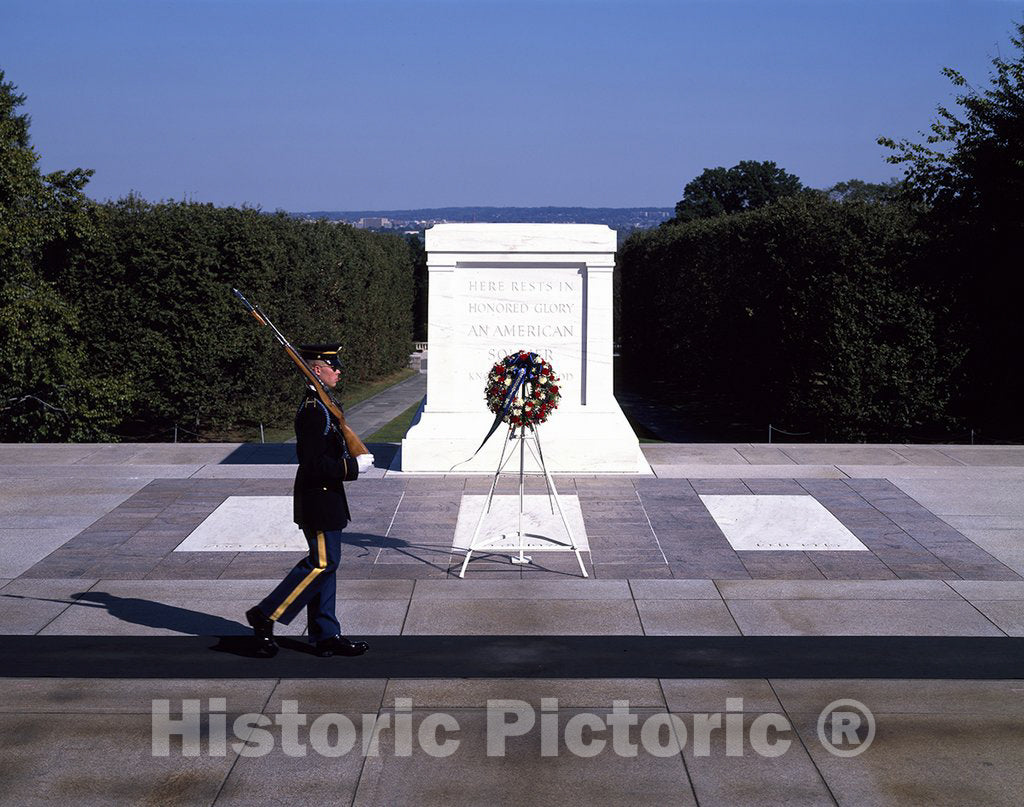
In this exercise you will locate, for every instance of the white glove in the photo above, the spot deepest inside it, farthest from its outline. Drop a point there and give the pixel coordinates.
(365, 462)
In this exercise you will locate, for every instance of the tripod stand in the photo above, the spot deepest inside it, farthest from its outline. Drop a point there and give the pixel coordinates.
(518, 540)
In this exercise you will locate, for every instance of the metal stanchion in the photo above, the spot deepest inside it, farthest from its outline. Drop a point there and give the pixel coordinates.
(517, 542)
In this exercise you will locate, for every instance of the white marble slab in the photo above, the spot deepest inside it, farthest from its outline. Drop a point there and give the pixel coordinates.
(247, 524)
(779, 523)
(538, 521)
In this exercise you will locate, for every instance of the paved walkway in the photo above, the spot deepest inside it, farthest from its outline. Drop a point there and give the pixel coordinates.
(370, 415)
(924, 627)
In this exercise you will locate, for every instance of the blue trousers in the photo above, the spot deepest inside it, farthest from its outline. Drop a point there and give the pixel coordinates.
(310, 585)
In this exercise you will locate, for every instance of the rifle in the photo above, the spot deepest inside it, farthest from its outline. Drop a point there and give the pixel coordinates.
(354, 444)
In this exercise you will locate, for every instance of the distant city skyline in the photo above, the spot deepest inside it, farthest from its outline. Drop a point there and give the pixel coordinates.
(316, 105)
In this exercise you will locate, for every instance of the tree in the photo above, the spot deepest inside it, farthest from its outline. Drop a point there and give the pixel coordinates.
(46, 389)
(420, 283)
(969, 172)
(857, 190)
(970, 158)
(723, 191)
(799, 313)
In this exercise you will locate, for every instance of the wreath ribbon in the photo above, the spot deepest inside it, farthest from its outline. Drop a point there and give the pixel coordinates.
(526, 366)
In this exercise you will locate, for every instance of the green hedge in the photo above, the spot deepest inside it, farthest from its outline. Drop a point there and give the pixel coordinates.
(152, 284)
(803, 312)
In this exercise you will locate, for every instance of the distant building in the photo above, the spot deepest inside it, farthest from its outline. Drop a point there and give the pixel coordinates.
(373, 222)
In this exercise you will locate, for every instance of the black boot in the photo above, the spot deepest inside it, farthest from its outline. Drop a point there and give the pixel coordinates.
(263, 627)
(340, 646)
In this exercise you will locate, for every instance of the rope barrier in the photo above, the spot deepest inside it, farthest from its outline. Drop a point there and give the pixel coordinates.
(972, 434)
(772, 428)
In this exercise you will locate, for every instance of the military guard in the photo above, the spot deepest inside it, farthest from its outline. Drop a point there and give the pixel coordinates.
(321, 511)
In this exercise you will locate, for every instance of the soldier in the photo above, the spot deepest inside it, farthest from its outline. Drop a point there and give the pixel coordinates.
(321, 511)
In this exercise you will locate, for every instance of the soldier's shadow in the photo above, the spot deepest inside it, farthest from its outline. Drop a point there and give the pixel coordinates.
(159, 615)
(232, 637)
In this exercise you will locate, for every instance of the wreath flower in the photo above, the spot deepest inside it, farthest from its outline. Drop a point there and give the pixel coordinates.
(522, 389)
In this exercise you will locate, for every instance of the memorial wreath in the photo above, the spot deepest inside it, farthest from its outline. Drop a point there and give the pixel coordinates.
(522, 389)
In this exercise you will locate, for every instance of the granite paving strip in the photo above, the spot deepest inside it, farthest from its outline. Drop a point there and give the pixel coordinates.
(18, 504)
(21, 614)
(123, 567)
(563, 564)
(35, 454)
(779, 564)
(98, 613)
(66, 563)
(674, 590)
(749, 778)
(260, 565)
(718, 487)
(437, 555)
(838, 454)
(967, 497)
(1004, 544)
(912, 568)
(21, 549)
(282, 472)
(945, 547)
(468, 693)
(324, 776)
(99, 759)
(774, 487)
(839, 565)
(192, 566)
(1007, 615)
(546, 590)
(128, 696)
(59, 589)
(183, 453)
(1004, 456)
(694, 470)
(408, 571)
(836, 590)
(764, 455)
(973, 590)
(518, 775)
(634, 541)
(993, 473)
(710, 694)
(141, 472)
(642, 557)
(14, 523)
(686, 618)
(713, 568)
(619, 570)
(524, 616)
(321, 696)
(860, 618)
(481, 485)
(925, 760)
(194, 591)
(926, 456)
(702, 453)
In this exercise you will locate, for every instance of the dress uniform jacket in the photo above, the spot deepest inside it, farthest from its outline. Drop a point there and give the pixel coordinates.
(324, 464)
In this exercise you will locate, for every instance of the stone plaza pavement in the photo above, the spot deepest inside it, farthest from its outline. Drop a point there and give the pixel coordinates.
(678, 629)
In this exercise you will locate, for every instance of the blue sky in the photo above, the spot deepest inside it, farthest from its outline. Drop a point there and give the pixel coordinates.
(304, 105)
